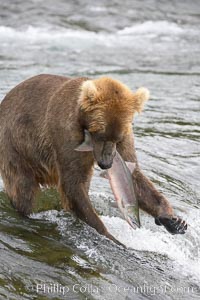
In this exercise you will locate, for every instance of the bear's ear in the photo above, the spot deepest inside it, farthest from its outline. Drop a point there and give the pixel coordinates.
(139, 99)
(88, 91)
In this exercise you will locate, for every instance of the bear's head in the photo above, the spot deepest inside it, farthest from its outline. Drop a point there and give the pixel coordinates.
(107, 109)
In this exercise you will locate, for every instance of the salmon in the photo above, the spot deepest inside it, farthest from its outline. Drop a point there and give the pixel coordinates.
(121, 182)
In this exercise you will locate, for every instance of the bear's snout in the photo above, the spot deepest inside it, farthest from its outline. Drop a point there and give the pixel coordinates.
(105, 164)
(104, 153)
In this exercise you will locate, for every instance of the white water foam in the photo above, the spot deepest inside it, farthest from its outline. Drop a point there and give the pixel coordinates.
(183, 250)
(152, 27)
(149, 28)
(42, 33)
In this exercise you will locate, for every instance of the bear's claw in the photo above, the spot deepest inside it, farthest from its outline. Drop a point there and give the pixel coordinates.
(174, 225)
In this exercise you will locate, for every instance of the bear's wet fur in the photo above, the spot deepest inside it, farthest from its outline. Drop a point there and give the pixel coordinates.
(42, 121)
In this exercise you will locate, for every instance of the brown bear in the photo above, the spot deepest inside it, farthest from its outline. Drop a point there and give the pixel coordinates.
(42, 121)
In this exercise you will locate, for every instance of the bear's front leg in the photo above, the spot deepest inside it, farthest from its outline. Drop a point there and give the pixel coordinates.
(74, 185)
(153, 202)
(82, 207)
(149, 198)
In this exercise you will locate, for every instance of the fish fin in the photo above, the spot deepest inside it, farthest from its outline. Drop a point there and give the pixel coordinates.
(131, 214)
(131, 166)
(83, 147)
(104, 174)
(86, 144)
(133, 222)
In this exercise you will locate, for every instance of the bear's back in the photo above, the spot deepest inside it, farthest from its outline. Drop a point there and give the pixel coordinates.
(31, 96)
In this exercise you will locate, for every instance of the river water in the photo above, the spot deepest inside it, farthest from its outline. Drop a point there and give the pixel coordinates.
(152, 43)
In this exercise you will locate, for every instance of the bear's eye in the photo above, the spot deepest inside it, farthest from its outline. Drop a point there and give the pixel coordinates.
(104, 137)
(118, 138)
(99, 137)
